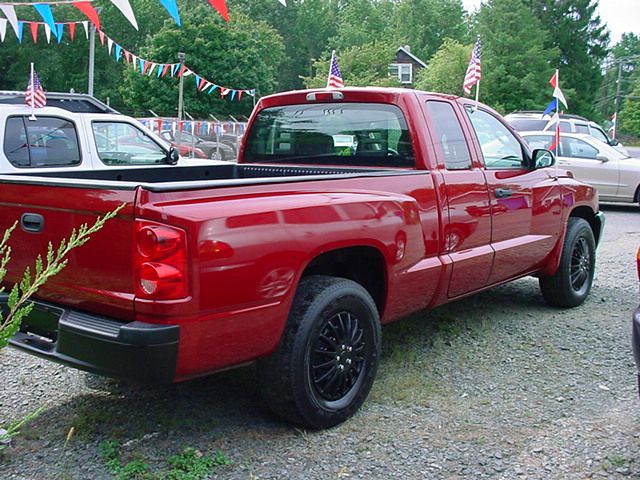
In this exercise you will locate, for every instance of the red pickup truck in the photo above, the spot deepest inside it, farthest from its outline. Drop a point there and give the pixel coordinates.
(348, 209)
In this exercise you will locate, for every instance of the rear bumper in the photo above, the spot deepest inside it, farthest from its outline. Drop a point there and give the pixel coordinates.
(136, 351)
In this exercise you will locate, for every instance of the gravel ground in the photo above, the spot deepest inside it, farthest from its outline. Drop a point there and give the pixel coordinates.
(498, 385)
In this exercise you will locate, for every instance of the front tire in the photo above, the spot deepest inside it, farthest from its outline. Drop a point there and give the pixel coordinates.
(571, 284)
(327, 359)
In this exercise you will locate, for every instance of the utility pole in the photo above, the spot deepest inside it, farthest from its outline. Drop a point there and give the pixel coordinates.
(181, 56)
(180, 97)
(92, 53)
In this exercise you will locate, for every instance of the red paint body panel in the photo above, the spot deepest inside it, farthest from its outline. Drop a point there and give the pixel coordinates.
(440, 234)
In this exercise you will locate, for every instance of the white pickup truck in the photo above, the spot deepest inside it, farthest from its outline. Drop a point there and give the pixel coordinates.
(75, 132)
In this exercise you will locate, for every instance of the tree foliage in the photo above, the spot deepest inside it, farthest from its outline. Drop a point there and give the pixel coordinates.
(446, 69)
(630, 114)
(243, 54)
(516, 65)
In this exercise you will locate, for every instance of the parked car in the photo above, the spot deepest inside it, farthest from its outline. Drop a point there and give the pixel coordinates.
(614, 174)
(636, 327)
(76, 132)
(212, 150)
(229, 139)
(536, 121)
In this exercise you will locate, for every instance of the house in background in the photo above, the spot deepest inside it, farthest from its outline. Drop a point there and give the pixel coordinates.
(406, 66)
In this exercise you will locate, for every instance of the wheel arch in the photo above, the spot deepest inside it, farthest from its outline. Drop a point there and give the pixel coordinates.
(364, 265)
(590, 216)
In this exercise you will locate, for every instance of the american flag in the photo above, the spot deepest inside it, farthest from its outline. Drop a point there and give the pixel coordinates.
(335, 77)
(473, 70)
(34, 96)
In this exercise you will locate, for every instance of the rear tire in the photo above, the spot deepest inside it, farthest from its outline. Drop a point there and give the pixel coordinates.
(327, 359)
(571, 284)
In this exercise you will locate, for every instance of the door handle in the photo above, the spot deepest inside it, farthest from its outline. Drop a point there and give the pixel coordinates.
(502, 192)
(32, 222)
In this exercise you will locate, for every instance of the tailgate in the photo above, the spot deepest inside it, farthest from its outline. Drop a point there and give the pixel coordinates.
(98, 276)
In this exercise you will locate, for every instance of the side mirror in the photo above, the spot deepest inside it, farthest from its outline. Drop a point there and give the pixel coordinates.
(542, 158)
(173, 156)
(602, 158)
(613, 142)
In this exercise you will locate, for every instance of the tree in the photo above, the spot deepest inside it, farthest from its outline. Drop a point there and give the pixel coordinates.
(424, 24)
(365, 65)
(623, 64)
(363, 22)
(516, 65)
(630, 113)
(574, 28)
(446, 69)
(243, 54)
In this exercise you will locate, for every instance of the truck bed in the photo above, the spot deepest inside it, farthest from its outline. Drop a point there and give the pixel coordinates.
(195, 177)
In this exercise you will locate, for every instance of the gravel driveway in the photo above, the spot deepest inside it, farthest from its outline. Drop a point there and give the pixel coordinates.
(498, 385)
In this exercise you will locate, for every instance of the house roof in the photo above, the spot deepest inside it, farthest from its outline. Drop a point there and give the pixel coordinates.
(411, 55)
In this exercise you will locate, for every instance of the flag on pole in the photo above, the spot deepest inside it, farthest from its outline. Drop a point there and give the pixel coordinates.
(552, 107)
(34, 96)
(335, 77)
(473, 70)
(557, 93)
(614, 122)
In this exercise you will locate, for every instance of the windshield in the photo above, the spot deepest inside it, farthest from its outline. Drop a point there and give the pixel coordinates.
(352, 134)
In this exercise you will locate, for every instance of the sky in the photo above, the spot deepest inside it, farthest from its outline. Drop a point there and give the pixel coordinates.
(620, 16)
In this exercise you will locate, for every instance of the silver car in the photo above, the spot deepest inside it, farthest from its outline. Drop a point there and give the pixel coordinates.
(615, 175)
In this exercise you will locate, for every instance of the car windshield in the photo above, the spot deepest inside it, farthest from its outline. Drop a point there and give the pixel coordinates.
(353, 134)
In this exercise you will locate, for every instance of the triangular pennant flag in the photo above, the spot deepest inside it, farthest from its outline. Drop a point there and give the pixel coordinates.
(560, 96)
(10, 13)
(172, 8)
(47, 33)
(60, 28)
(118, 52)
(205, 85)
(134, 61)
(20, 27)
(161, 68)
(72, 30)
(89, 11)
(239, 94)
(125, 7)
(45, 12)
(223, 91)
(186, 72)
(101, 34)
(552, 107)
(197, 82)
(127, 56)
(175, 69)
(164, 70)
(283, 2)
(85, 24)
(212, 88)
(143, 65)
(34, 32)
(109, 44)
(233, 94)
(221, 7)
(151, 68)
(3, 28)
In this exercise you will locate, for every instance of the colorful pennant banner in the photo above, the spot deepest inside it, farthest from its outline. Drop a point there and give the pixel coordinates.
(149, 68)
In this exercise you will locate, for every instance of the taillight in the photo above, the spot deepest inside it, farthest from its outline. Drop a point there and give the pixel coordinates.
(161, 266)
(638, 262)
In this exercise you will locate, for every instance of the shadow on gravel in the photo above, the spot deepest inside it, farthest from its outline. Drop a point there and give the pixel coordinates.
(211, 405)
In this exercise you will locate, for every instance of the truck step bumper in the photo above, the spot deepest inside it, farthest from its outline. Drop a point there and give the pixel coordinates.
(136, 351)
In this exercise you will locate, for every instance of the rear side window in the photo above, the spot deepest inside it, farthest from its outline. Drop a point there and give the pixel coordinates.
(349, 134)
(582, 128)
(44, 142)
(449, 136)
(526, 124)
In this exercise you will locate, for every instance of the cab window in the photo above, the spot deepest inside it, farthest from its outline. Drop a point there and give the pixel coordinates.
(120, 143)
(448, 136)
(500, 148)
(43, 142)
